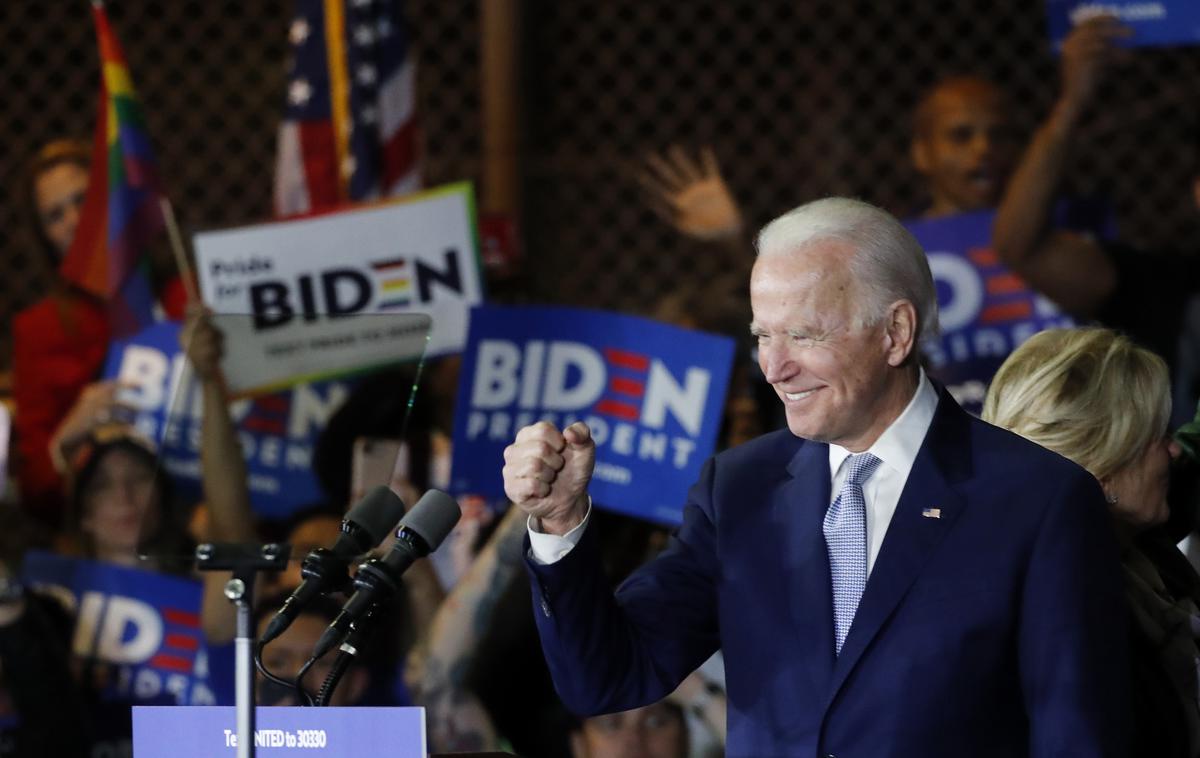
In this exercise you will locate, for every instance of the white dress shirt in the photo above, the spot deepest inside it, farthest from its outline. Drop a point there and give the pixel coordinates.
(897, 449)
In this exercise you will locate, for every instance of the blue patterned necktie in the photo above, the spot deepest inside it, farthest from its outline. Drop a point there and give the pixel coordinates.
(845, 530)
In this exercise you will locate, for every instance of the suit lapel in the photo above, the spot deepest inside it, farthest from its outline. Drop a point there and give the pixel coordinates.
(914, 532)
(800, 506)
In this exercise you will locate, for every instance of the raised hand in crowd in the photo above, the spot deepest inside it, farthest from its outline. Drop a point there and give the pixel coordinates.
(203, 344)
(97, 405)
(691, 195)
(1067, 267)
(1089, 52)
(546, 473)
(222, 466)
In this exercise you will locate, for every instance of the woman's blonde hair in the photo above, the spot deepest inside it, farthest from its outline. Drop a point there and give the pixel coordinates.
(1089, 394)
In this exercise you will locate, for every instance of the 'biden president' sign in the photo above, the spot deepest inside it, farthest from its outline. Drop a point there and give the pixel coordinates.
(652, 395)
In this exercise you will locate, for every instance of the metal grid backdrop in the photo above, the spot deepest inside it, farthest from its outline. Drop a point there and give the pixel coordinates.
(799, 99)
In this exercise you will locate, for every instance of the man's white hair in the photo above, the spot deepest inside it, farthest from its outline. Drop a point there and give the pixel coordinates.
(888, 263)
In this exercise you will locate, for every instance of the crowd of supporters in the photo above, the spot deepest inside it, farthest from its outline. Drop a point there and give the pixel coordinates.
(460, 640)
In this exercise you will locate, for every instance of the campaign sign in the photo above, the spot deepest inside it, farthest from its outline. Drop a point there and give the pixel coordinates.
(406, 261)
(138, 632)
(278, 431)
(652, 394)
(1154, 22)
(212, 731)
(986, 311)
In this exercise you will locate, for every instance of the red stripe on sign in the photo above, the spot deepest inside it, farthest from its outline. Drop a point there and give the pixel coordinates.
(171, 663)
(626, 359)
(276, 403)
(618, 409)
(1005, 312)
(181, 618)
(983, 256)
(626, 386)
(1005, 284)
(264, 425)
(393, 263)
(181, 641)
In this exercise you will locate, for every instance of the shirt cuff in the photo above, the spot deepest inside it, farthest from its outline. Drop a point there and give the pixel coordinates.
(545, 549)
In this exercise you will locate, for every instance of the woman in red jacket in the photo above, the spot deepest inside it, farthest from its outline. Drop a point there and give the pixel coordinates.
(59, 342)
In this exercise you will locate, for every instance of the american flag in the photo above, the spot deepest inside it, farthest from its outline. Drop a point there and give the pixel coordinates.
(349, 132)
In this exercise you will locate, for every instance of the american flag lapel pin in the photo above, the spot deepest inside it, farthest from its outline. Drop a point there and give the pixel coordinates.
(931, 512)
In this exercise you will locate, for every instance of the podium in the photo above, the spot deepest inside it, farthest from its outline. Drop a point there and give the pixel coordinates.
(202, 731)
(192, 731)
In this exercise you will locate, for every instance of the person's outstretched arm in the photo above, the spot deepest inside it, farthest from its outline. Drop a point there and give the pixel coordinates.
(438, 666)
(611, 652)
(1067, 267)
(222, 468)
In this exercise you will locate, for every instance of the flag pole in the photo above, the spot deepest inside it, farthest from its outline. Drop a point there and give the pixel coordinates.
(181, 261)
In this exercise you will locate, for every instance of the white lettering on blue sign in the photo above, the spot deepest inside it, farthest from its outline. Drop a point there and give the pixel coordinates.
(281, 738)
(572, 376)
(1123, 11)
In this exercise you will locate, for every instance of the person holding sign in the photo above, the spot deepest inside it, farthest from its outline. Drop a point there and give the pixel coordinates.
(1063, 264)
(1139, 292)
(119, 502)
(888, 576)
(964, 147)
(60, 341)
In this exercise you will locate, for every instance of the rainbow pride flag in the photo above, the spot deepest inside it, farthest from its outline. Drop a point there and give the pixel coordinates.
(121, 211)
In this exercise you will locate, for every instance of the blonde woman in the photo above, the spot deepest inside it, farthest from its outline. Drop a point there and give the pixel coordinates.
(1095, 397)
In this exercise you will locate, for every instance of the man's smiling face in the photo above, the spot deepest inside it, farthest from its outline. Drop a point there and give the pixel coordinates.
(828, 367)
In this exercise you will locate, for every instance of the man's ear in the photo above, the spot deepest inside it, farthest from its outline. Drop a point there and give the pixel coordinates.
(1196, 191)
(900, 332)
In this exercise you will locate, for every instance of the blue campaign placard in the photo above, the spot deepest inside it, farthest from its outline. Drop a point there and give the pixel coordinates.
(985, 310)
(278, 431)
(652, 394)
(204, 732)
(1155, 23)
(138, 632)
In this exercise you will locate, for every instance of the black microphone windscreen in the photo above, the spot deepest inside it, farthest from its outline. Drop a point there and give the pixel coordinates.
(432, 518)
(376, 514)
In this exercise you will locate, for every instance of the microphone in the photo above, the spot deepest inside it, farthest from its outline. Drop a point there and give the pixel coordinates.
(419, 534)
(365, 526)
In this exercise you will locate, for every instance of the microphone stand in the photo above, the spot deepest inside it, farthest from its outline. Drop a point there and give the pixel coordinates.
(245, 561)
(346, 654)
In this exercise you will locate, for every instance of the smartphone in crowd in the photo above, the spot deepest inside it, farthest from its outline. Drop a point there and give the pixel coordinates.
(380, 460)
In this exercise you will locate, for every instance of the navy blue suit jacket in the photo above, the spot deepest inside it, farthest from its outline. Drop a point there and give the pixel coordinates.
(992, 625)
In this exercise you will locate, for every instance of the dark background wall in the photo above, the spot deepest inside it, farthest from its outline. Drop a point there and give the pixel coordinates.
(799, 99)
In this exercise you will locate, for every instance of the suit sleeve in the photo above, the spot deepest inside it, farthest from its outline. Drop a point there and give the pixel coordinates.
(612, 652)
(1073, 651)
